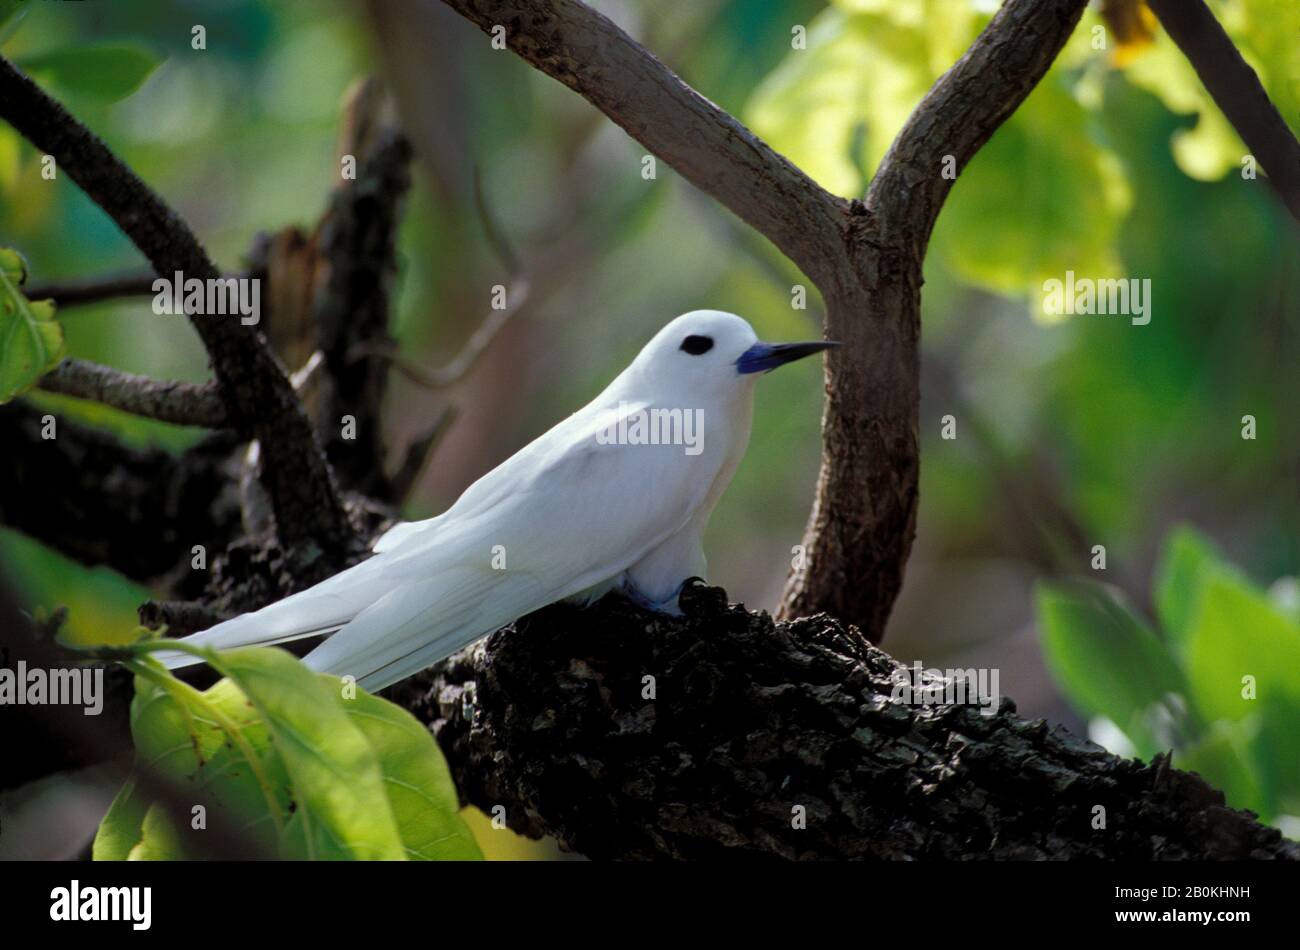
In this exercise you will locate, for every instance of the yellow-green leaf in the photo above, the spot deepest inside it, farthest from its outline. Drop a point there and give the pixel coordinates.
(416, 778)
(31, 340)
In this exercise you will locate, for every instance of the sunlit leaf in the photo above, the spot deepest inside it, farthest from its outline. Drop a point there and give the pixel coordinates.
(340, 807)
(121, 830)
(158, 839)
(416, 778)
(1039, 199)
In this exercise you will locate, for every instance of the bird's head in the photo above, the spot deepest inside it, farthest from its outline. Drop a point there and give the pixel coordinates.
(711, 349)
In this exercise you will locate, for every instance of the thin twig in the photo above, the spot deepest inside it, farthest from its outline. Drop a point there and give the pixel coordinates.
(184, 404)
(492, 230)
(460, 365)
(89, 290)
(418, 454)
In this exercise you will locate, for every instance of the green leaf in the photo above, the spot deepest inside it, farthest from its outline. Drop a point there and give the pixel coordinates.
(419, 786)
(1070, 198)
(1189, 559)
(121, 830)
(31, 340)
(1223, 756)
(340, 806)
(289, 758)
(186, 737)
(106, 72)
(1109, 664)
(1242, 658)
(1237, 633)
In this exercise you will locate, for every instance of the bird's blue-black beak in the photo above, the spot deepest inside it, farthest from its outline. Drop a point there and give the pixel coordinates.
(764, 357)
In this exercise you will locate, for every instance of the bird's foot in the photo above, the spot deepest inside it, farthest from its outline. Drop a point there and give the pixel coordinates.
(669, 606)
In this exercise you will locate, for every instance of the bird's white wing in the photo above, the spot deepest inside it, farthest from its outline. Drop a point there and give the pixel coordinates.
(402, 554)
(574, 514)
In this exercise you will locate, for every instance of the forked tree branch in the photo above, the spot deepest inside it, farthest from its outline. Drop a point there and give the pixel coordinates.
(253, 385)
(860, 530)
(865, 258)
(1237, 91)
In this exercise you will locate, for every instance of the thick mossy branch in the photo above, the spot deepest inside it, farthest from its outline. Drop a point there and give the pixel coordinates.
(751, 719)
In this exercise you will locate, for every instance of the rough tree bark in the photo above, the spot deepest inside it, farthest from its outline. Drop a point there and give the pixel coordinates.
(93, 499)
(751, 719)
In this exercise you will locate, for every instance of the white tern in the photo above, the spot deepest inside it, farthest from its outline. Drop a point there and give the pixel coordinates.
(616, 495)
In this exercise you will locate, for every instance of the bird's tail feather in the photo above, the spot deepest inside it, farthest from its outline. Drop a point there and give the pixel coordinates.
(319, 610)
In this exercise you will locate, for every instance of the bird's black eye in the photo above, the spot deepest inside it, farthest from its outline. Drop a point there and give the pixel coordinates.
(695, 345)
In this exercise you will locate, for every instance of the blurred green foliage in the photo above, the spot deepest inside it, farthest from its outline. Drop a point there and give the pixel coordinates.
(1218, 686)
(835, 107)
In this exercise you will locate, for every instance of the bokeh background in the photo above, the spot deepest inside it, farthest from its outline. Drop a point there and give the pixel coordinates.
(1071, 431)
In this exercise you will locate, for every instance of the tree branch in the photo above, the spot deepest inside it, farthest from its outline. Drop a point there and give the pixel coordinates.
(357, 241)
(1237, 91)
(963, 109)
(185, 404)
(253, 384)
(752, 724)
(88, 496)
(860, 530)
(88, 290)
(583, 49)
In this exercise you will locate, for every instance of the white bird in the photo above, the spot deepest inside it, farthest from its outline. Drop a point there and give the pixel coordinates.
(616, 495)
